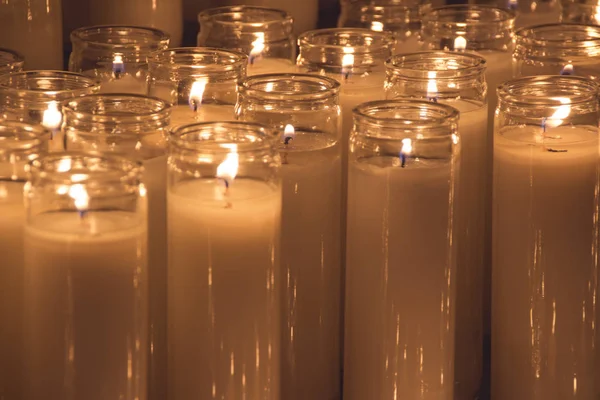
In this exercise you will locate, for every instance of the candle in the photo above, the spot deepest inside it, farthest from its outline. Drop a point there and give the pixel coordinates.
(530, 12)
(223, 263)
(19, 143)
(85, 278)
(544, 341)
(51, 120)
(304, 110)
(400, 265)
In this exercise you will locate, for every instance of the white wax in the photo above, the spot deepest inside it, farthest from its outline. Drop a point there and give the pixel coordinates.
(12, 214)
(181, 115)
(224, 294)
(126, 83)
(312, 269)
(399, 325)
(270, 66)
(85, 289)
(545, 271)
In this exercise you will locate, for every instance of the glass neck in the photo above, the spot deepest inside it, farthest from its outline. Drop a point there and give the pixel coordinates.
(558, 41)
(19, 144)
(386, 15)
(129, 41)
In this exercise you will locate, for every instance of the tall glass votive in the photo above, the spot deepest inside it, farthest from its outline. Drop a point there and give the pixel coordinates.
(199, 82)
(304, 111)
(565, 49)
(134, 126)
(19, 144)
(85, 278)
(116, 56)
(224, 211)
(545, 271)
(458, 79)
(400, 17)
(401, 260)
(533, 12)
(36, 97)
(10, 61)
(585, 12)
(264, 34)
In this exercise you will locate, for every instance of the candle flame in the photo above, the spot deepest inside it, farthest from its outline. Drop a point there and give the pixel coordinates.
(432, 89)
(460, 43)
(347, 61)
(406, 146)
(567, 70)
(52, 117)
(80, 196)
(288, 133)
(196, 93)
(118, 66)
(258, 46)
(561, 113)
(228, 169)
(377, 26)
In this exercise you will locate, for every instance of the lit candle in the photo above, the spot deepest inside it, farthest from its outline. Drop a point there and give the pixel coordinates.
(121, 81)
(85, 279)
(224, 292)
(259, 65)
(51, 120)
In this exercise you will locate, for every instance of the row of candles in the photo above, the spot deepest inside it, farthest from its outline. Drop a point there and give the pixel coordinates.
(415, 248)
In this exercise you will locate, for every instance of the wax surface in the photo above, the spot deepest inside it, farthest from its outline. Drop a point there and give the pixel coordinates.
(181, 115)
(270, 66)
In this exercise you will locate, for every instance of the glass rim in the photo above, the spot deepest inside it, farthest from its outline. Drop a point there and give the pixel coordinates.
(379, 40)
(165, 58)
(25, 137)
(209, 14)
(527, 35)
(85, 83)
(432, 15)
(255, 87)
(515, 91)
(17, 58)
(401, 64)
(160, 37)
(161, 109)
(580, 3)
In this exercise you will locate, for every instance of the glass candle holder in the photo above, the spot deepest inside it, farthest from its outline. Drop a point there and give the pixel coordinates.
(19, 144)
(532, 12)
(264, 34)
(304, 110)
(224, 209)
(545, 271)
(200, 83)
(401, 260)
(584, 12)
(116, 56)
(134, 126)
(458, 79)
(10, 61)
(399, 17)
(565, 49)
(85, 278)
(36, 97)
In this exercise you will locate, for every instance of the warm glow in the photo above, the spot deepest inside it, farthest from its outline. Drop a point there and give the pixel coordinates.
(228, 169)
(561, 113)
(512, 4)
(348, 57)
(597, 14)
(567, 70)
(258, 45)
(196, 93)
(406, 146)
(78, 193)
(289, 131)
(118, 65)
(64, 165)
(377, 26)
(432, 89)
(460, 43)
(52, 117)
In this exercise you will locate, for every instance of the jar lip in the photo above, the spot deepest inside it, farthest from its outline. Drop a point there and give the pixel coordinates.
(10, 57)
(221, 59)
(574, 89)
(23, 137)
(447, 15)
(155, 39)
(440, 113)
(573, 35)
(445, 65)
(264, 87)
(239, 16)
(81, 84)
(204, 136)
(338, 39)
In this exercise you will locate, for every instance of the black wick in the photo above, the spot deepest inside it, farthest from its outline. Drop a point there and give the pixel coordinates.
(194, 105)
(403, 158)
(286, 141)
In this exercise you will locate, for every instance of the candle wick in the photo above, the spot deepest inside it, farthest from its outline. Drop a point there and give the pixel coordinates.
(194, 105)
(403, 158)
(346, 75)
(82, 214)
(286, 141)
(433, 99)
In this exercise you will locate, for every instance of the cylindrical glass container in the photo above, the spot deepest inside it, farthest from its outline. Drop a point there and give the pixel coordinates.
(264, 34)
(458, 79)
(199, 82)
(585, 12)
(85, 278)
(545, 271)
(116, 56)
(34, 29)
(304, 110)
(401, 260)
(10, 61)
(36, 97)
(532, 12)
(400, 17)
(19, 144)
(224, 210)
(565, 49)
(134, 126)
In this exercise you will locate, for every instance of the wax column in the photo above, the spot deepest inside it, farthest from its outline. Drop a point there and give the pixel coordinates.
(264, 34)
(304, 111)
(224, 209)
(85, 278)
(401, 265)
(116, 56)
(19, 143)
(545, 271)
(458, 80)
(135, 127)
(200, 83)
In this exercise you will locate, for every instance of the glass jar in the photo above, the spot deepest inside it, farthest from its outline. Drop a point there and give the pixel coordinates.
(565, 49)
(544, 339)
(19, 144)
(400, 17)
(116, 56)
(199, 82)
(531, 12)
(458, 79)
(85, 277)
(585, 12)
(304, 111)
(265, 34)
(224, 210)
(401, 255)
(10, 61)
